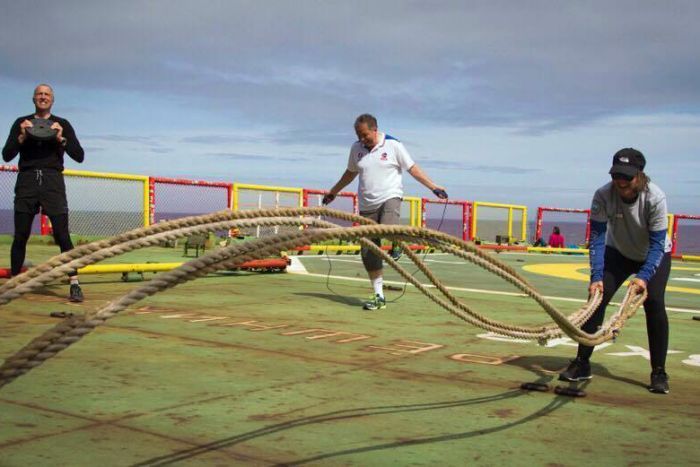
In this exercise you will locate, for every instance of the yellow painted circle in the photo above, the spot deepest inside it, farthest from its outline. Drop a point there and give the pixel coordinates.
(580, 272)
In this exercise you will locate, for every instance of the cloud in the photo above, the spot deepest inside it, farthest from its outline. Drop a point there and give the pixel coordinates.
(255, 157)
(314, 136)
(466, 166)
(122, 139)
(231, 155)
(218, 139)
(91, 149)
(453, 63)
(294, 135)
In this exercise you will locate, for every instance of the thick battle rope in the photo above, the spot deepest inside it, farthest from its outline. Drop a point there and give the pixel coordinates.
(74, 328)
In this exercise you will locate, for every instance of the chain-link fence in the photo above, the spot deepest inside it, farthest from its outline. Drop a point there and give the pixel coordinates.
(344, 201)
(99, 204)
(8, 176)
(450, 217)
(572, 224)
(247, 197)
(500, 223)
(173, 198)
(106, 204)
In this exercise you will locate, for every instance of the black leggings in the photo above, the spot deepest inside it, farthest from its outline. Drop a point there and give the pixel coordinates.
(23, 229)
(617, 269)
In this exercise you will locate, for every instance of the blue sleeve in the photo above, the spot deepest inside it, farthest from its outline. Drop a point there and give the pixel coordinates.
(655, 254)
(596, 249)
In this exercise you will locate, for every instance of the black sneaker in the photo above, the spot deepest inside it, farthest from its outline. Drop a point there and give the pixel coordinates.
(76, 294)
(578, 370)
(659, 381)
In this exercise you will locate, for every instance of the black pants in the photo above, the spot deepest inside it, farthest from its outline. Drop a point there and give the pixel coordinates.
(35, 189)
(617, 269)
(23, 229)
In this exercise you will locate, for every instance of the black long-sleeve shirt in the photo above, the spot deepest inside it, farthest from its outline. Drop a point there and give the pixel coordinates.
(42, 154)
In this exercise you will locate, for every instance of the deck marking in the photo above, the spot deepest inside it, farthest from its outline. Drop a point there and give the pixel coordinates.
(403, 347)
(573, 271)
(693, 360)
(296, 266)
(636, 351)
(483, 359)
(487, 292)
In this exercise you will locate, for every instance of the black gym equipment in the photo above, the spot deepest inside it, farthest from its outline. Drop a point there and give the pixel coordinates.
(132, 277)
(696, 318)
(60, 314)
(41, 130)
(442, 194)
(569, 391)
(541, 387)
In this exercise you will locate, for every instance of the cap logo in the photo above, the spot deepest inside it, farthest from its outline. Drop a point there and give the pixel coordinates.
(625, 159)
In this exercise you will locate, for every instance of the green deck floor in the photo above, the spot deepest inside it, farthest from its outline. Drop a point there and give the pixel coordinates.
(268, 369)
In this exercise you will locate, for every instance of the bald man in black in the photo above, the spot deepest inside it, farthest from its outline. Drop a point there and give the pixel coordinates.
(40, 183)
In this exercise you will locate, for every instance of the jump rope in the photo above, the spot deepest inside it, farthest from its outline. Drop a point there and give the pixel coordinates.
(440, 194)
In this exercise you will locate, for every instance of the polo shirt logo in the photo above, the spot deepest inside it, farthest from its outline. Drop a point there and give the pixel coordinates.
(383, 157)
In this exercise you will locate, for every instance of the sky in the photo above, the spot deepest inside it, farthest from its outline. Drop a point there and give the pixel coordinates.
(521, 102)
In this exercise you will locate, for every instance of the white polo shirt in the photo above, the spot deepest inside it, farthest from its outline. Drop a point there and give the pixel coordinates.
(380, 170)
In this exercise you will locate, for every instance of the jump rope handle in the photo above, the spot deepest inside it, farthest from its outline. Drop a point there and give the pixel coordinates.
(440, 193)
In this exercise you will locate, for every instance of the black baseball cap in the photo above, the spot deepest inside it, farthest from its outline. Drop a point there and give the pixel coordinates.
(628, 161)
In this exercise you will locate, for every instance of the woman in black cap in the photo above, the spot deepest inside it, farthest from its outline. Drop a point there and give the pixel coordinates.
(629, 226)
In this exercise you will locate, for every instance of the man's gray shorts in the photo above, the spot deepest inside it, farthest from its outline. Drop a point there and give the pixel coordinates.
(387, 213)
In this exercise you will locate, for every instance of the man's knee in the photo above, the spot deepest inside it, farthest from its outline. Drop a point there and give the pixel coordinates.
(63, 241)
(61, 234)
(371, 260)
(21, 237)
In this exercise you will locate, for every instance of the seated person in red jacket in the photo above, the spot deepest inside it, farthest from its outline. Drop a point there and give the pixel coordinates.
(556, 239)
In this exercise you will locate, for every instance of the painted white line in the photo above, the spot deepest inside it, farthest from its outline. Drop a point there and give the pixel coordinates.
(351, 259)
(338, 260)
(445, 262)
(358, 259)
(685, 279)
(486, 292)
(340, 257)
(296, 267)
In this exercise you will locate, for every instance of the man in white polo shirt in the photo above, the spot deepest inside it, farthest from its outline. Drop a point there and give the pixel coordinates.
(379, 160)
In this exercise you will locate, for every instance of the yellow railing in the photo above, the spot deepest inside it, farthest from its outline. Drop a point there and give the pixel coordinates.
(510, 208)
(117, 176)
(238, 187)
(414, 210)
